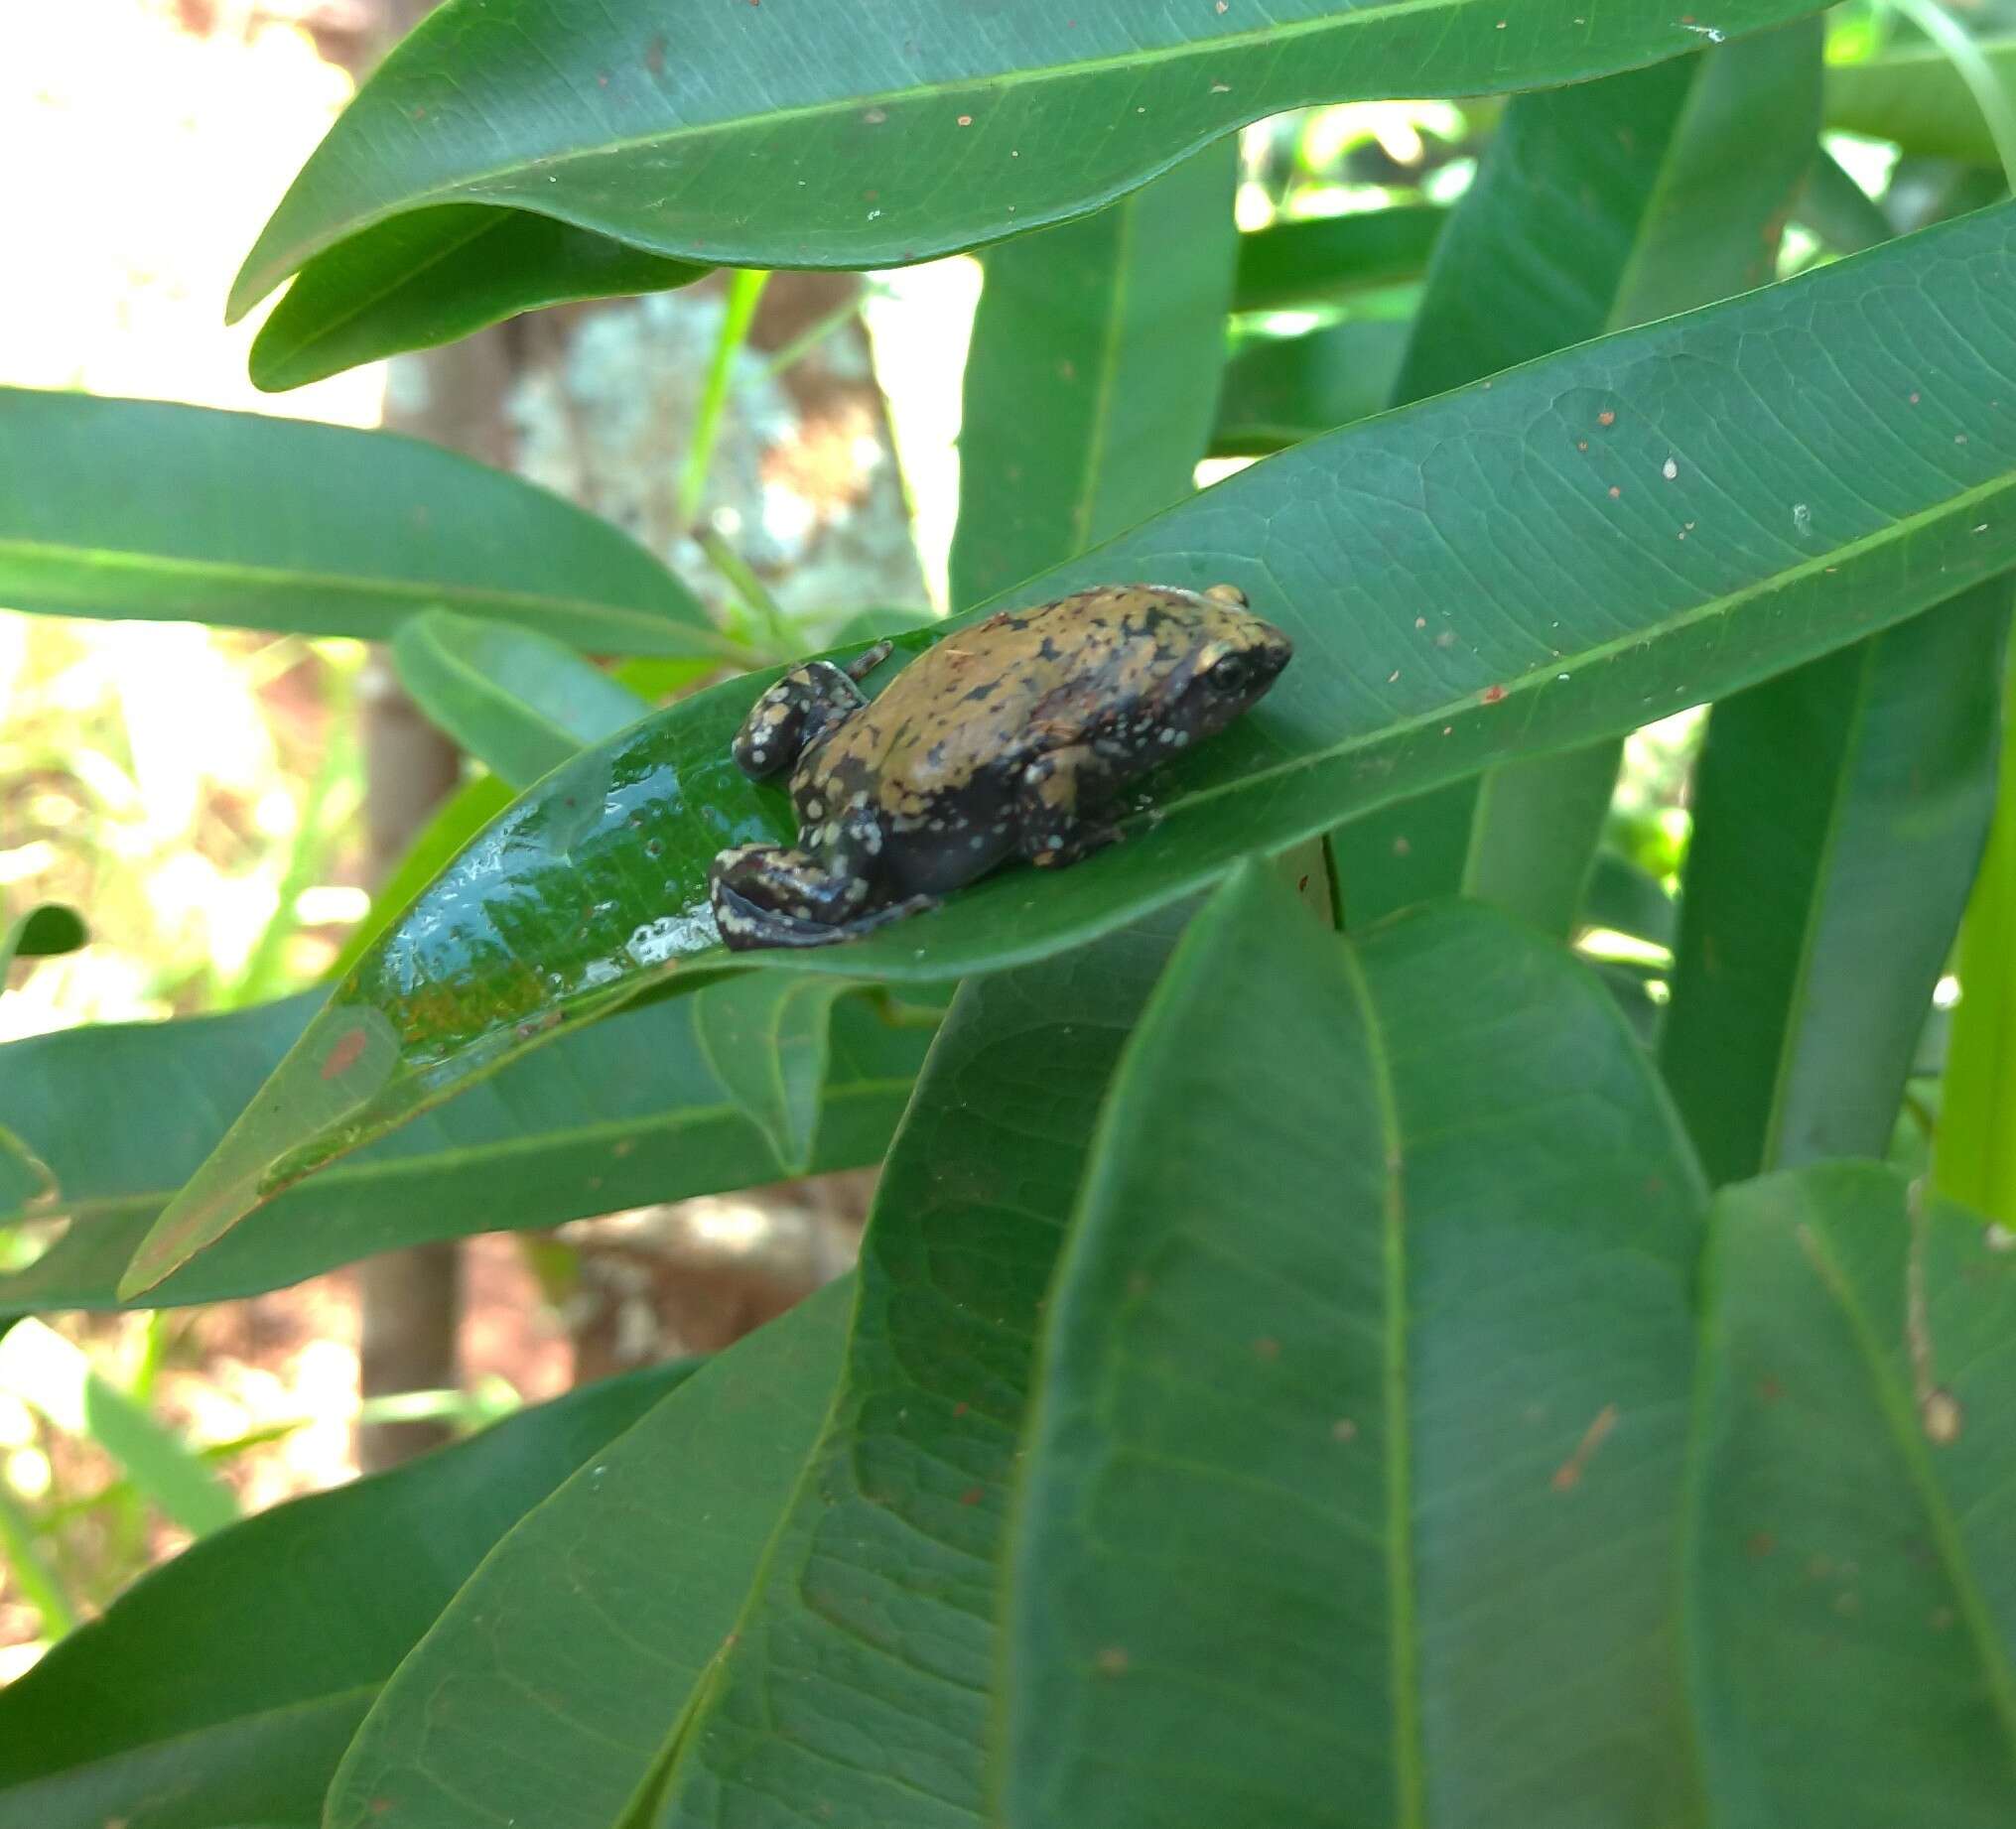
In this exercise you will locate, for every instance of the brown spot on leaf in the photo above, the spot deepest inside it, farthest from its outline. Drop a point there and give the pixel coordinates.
(1266, 1347)
(1569, 1473)
(1492, 694)
(654, 55)
(342, 1054)
(973, 1495)
(1759, 1544)
(1112, 1660)
(1606, 418)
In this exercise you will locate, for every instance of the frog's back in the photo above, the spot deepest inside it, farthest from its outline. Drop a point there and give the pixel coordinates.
(985, 694)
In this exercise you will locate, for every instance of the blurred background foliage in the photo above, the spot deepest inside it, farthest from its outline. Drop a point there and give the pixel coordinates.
(197, 793)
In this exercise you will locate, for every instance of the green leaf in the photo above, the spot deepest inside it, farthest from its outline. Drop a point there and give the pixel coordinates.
(1596, 208)
(765, 1035)
(1532, 837)
(1281, 390)
(1093, 374)
(223, 1687)
(622, 1116)
(856, 1687)
(1855, 1617)
(1628, 899)
(794, 134)
(1838, 211)
(457, 820)
(133, 508)
(660, 1535)
(1915, 94)
(432, 276)
(519, 702)
(1353, 1489)
(1839, 813)
(1332, 258)
(1974, 1157)
(54, 1376)
(1825, 502)
(43, 932)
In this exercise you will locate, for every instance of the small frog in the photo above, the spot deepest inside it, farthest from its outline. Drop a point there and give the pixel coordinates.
(1012, 736)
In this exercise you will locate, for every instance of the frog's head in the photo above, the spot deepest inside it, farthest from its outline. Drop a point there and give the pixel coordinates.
(1232, 658)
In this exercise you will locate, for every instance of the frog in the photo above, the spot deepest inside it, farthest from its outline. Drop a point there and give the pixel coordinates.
(1012, 736)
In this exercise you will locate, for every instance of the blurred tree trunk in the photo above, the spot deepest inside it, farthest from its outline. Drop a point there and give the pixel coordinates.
(411, 1300)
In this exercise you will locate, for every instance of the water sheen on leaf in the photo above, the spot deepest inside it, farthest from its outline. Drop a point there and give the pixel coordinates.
(1631, 526)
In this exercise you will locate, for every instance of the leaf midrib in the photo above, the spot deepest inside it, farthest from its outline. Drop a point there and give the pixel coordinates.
(370, 584)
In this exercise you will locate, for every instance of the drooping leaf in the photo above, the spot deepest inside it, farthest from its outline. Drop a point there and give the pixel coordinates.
(1839, 814)
(855, 1691)
(134, 509)
(1854, 1613)
(624, 1115)
(547, 1701)
(802, 134)
(518, 701)
(1352, 1493)
(1915, 94)
(1601, 206)
(1764, 480)
(1330, 258)
(434, 275)
(1092, 376)
(222, 1688)
(764, 1034)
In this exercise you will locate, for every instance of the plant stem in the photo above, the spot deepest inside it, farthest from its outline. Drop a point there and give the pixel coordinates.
(742, 576)
(745, 292)
(1998, 107)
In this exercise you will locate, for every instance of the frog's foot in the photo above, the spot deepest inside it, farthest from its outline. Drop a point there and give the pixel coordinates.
(1053, 803)
(764, 895)
(799, 709)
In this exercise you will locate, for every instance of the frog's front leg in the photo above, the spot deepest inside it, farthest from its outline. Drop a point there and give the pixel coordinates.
(801, 708)
(1061, 807)
(771, 895)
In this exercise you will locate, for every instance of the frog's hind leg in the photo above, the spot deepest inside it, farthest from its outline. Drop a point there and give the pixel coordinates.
(799, 709)
(1062, 807)
(767, 895)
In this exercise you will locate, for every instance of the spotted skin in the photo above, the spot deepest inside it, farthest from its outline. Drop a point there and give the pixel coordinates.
(1012, 737)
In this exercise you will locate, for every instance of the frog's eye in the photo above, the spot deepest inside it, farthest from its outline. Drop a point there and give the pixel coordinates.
(1233, 674)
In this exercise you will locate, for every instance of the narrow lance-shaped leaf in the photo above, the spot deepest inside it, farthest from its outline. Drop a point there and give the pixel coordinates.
(802, 134)
(1854, 1602)
(43, 932)
(550, 1702)
(1402, 1419)
(520, 703)
(856, 1689)
(1839, 814)
(300, 1613)
(1680, 179)
(1833, 450)
(627, 1114)
(434, 275)
(1328, 258)
(133, 508)
(1281, 390)
(1092, 375)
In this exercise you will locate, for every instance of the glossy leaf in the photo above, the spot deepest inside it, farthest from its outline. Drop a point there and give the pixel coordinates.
(434, 275)
(855, 1690)
(222, 1688)
(1596, 208)
(1330, 258)
(519, 702)
(1093, 375)
(1854, 1611)
(1320, 1459)
(622, 1116)
(802, 134)
(547, 1701)
(1833, 443)
(133, 508)
(1839, 814)
(1281, 390)
(1914, 95)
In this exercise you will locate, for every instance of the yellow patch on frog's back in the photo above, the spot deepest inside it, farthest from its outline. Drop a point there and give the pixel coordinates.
(1048, 671)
